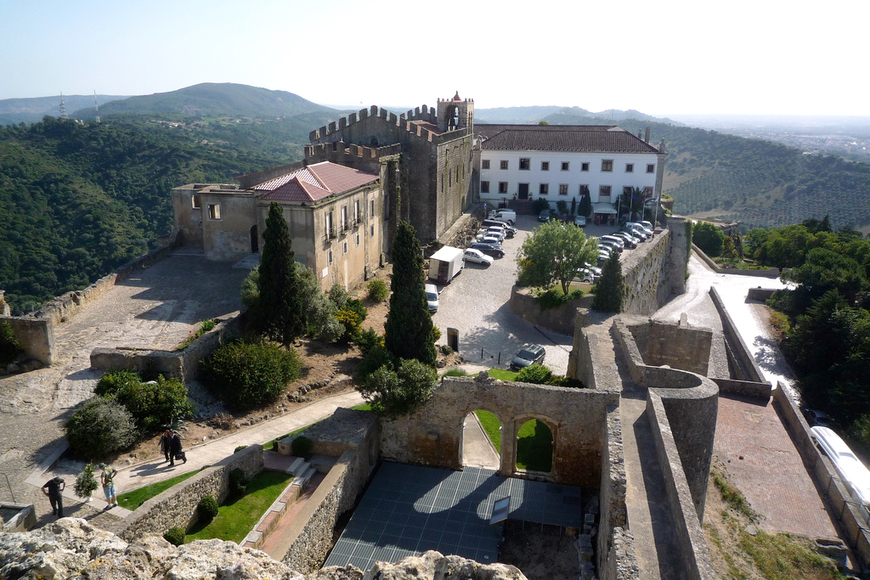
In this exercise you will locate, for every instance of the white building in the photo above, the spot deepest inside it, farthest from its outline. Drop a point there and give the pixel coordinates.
(562, 162)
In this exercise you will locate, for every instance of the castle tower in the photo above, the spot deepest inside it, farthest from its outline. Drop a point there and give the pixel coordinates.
(455, 114)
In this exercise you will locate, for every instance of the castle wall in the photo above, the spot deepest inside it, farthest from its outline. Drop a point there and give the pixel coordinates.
(35, 337)
(677, 346)
(226, 224)
(432, 435)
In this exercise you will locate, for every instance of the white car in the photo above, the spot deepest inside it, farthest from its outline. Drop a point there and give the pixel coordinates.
(477, 257)
(487, 238)
(432, 297)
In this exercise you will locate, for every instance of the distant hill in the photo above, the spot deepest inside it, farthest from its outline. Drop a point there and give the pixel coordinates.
(14, 111)
(561, 116)
(211, 100)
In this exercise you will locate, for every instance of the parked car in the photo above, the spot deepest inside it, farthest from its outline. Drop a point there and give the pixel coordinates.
(617, 241)
(628, 240)
(544, 216)
(509, 229)
(580, 221)
(587, 275)
(432, 297)
(507, 215)
(489, 249)
(636, 227)
(853, 473)
(815, 417)
(477, 257)
(486, 238)
(530, 354)
(611, 246)
(647, 225)
(497, 231)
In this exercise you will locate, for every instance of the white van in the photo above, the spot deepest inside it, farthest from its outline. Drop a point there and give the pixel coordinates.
(507, 215)
(853, 472)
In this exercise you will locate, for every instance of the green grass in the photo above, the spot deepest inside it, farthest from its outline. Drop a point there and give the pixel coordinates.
(491, 426)
(502, 375)
(133, 499)
(238, 517)
(535, 447)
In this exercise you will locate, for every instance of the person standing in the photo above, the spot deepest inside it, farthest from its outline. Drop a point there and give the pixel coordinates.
(165, 443)
(53, 489)
(107, 478)
(175, 448)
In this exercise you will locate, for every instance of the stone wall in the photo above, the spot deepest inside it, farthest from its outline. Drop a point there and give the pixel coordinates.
(35, 337)
(767, 273)
(559, 319)
(687, 524)
(180, 364)
(677, 346)
(432, 435)
(738, 347)
(177, 505)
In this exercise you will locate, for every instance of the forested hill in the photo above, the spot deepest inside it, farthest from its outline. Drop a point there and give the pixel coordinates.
(762, 184)
(78, 200)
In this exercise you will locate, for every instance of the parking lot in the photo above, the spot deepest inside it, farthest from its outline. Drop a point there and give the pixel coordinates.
(476, 304)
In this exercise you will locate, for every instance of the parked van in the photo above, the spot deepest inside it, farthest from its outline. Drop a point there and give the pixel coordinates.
(853, 472)
(508, 215)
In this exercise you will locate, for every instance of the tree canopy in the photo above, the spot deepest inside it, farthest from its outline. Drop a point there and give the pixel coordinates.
(280, 315)
(553, 254)
(609, 293)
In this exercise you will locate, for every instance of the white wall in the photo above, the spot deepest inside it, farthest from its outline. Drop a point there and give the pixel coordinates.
(574, 177)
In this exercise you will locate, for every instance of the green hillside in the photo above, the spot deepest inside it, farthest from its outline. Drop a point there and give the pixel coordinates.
(78, 200)
(759, 183)
(211, 100)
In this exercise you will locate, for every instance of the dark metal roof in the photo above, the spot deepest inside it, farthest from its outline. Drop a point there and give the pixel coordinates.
(565, 138)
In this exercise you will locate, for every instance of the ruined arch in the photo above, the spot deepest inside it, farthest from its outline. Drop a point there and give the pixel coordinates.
(477, 447)
(550, 427)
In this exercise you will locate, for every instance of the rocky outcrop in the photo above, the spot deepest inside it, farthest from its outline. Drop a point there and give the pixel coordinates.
(72, 548)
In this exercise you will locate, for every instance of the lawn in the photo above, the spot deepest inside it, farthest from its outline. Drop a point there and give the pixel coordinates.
(237, 517)
(491, 426)
(535, 447)
(137, 497)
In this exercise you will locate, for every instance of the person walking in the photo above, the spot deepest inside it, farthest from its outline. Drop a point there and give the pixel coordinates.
(107, 477)
(53, 490)
(165, 443)
(175, 451)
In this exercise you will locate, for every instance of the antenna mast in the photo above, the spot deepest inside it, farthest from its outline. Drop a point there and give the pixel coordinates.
(96, 106)
(62, 107)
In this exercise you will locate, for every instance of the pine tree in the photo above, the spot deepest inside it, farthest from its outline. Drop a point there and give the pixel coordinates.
(409, 333)
(609, 292)
(279, 314)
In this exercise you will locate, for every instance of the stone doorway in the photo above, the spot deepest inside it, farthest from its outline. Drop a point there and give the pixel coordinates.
(481, 440)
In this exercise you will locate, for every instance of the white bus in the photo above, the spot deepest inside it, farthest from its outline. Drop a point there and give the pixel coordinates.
(851, 470)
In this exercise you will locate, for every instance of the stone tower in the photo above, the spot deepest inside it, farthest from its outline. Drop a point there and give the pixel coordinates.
(455, 114)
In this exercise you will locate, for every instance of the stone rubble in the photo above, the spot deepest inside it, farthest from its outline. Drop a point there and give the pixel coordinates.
(73, 548)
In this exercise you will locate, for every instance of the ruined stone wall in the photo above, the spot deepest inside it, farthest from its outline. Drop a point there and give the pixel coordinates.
(432, 435)
(646, 275)
(177, 505)
(677, 346)
(35, 337)
(559, 319)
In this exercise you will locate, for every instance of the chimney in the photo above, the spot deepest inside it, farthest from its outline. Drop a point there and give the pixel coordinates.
(646, 137)
(639, 133)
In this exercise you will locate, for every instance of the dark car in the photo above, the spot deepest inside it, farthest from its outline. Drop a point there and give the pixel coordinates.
(488, 249)
(544, 216)
(817, 418)
(528, 355)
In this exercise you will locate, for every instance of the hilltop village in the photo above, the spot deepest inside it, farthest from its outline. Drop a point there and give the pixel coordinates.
(633, 437)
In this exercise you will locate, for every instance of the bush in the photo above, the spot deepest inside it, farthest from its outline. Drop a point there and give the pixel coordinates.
(446, 350)
(86, 483)
(112, 382)
(302, 446)
(368, 339)
(174, 536)
(248, 375)
(436, 333)
(540, 205)
(9, 347)
(238, 482)
(376, 358)
(378, 290)
(709, 238)
(351, 322)
(535, 374)
(99, 427)
(207, 508)
(396, 392)
(554, 297)
(156, 404)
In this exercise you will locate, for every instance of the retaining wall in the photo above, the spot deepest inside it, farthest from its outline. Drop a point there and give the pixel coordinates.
(768, 273)
(559, 319)
(35, 337)
(847, 512)
(176, 507)
(738, 346)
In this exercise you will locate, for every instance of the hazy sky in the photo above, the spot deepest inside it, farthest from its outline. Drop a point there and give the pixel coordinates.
(660, 57)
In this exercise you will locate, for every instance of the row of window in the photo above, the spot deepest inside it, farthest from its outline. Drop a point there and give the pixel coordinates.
(526, 165)
(343, 223)
(329, 256)
(544, 189)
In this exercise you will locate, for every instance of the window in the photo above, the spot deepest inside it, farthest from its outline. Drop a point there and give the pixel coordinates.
(584, 166)
(648, 192)
(356, 216)
(545, 165)
(604, 191)
(525, 163)
(484, 187)
(650, 168)
(343, 217)
(584, 190)
(329, 225)
(357, 238)
(214, 211)
(372, 231)
(344, 247)
(371, 208)
(503, 164)
(544, 189)
(502, 186)
(607, 165)
(194, 202)
(563, 189)
(484, 164)
(329, 257)
(626, 191)
(629, 167)
(565, 166)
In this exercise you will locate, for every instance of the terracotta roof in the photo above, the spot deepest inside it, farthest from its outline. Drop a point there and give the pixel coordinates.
(567, 138)
(314, 182)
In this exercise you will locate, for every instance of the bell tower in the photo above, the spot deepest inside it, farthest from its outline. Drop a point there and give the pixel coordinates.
(455, 114)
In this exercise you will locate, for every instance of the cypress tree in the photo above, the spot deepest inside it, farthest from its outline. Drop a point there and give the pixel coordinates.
(279, 314)
(609, 293)
(409, 329)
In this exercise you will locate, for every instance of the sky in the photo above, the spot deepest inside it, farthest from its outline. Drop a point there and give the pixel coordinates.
(660, 57)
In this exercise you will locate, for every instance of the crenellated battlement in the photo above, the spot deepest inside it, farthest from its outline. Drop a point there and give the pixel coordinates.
(424, 113)
(350, 155)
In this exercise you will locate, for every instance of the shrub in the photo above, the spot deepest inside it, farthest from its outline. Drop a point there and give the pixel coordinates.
(351, 322)
(709, 238)
(112, 382)
(239, 448)
(378, 291)
(554, 297)
(247, 375)
(156, 404)
(396, 392)
(302, 446)
(99, 427)
(86, 483)
(9, 347)
(238, 482)
(368, 339)
(376, 358)
(174, 536)
(207, 508)
(446, 350)
(436, 333)
(535, 374)
(540, 205)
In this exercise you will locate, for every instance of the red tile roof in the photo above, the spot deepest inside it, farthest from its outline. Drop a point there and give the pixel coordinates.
(567, 138)
(314, 182)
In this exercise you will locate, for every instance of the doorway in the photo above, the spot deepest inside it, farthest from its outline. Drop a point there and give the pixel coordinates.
(523, 192)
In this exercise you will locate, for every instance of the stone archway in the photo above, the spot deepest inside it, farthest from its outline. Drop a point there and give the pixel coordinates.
(534, 445)
(482, 439)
